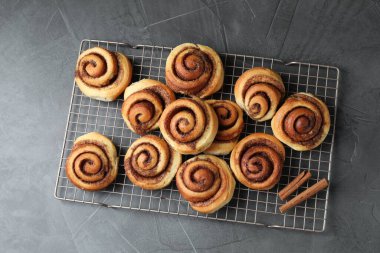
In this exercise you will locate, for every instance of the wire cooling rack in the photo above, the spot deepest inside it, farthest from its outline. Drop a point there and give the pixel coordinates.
(247, 206)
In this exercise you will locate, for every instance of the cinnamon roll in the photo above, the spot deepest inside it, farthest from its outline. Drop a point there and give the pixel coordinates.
(143, 104)
(150, 163)
(302, 122)
(92, 163)
(101, 74)
(194, 70)
(206, 182)
(189, 125)
(258, 92)
(257, 161)
(230, 118)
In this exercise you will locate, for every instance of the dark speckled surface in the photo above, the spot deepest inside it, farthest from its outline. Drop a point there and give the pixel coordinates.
(38, 48)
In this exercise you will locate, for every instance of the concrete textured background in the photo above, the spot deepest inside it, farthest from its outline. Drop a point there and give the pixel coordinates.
(38, 49)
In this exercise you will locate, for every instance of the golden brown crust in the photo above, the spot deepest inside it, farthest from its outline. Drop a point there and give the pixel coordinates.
(206, 182)
(101, 74)
(143, 104)
(92, 163)
(231, 123)
(150, 163)
(258, 92)
(189, 125)
(257, 161)
(194, 70)
(302, 122)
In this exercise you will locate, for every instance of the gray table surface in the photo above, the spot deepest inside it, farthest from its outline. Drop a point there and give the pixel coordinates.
(38, 49)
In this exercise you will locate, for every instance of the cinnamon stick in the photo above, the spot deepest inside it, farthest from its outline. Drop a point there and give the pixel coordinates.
(294, 185)
(311, 191)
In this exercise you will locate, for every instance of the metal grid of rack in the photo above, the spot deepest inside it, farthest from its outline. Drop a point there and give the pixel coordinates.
(247, 206)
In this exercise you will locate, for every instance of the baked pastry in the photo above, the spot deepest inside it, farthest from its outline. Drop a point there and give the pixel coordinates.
(230, 118)
(150, 163)
(257, 161)
(206, 182)
(92, 163)
(189, 125)
(302, 122)
(194, 70)
(143, 104)
(101, 74)
(258, 92)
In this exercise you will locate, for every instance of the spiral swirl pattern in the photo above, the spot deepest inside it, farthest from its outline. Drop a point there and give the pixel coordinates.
(206, 182)
(150, 163)
(194, 70)
(102, 74)
(302, 122)
(258, 91)
(257, 161)
(92, 163)
(143, 105)
(189, 125)
(230, 118)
